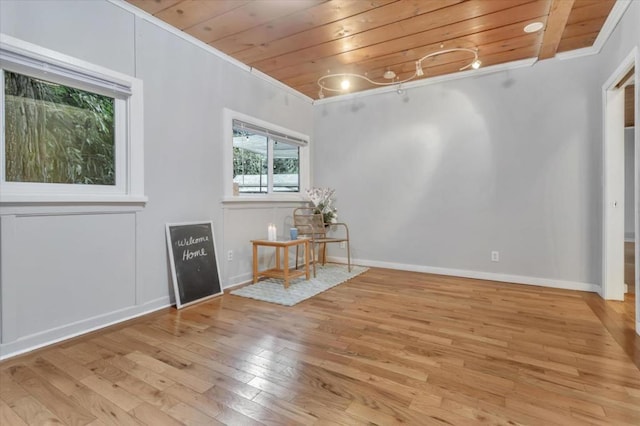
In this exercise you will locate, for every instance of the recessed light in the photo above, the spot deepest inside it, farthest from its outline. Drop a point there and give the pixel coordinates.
(533, 27)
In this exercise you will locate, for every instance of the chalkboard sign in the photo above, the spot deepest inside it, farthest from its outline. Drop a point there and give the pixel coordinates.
(194, 265)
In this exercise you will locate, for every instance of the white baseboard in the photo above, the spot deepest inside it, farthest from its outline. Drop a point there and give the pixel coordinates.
(491, 276)
(45, 338)
(68, 331)
(237, 280)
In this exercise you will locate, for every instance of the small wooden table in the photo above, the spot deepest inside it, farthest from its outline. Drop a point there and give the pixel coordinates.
(282, 273)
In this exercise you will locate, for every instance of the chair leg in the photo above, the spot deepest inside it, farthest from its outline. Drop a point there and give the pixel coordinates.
(296, 257)
(313, 258)
(324, 254)
(348, 256)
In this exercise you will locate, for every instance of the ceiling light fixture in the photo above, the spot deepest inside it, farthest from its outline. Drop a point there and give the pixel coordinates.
(340, 82)
(533, 27)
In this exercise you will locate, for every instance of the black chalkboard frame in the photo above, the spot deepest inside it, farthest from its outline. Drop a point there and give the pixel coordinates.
(180, 287)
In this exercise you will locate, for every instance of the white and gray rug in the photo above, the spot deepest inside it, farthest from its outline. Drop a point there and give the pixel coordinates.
(272, 289)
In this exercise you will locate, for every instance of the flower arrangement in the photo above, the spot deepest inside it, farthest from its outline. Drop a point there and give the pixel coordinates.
(322, 200)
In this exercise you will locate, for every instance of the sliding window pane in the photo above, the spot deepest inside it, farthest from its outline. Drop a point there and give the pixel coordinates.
(286, 167)
(250, 162)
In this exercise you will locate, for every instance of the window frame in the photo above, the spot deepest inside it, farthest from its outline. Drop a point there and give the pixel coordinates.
(303, 160)
(37, 62)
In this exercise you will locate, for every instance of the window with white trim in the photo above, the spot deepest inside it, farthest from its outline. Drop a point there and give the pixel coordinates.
(267, 161)
(71, 131)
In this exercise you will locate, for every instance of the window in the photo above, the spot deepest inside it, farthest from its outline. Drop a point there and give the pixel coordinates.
(72, 131)
(266, 159)
(56, 133)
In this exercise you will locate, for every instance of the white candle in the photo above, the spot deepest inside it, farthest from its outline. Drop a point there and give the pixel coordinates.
(271, 232)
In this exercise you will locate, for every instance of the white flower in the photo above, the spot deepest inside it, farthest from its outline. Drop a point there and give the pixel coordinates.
(322, 200)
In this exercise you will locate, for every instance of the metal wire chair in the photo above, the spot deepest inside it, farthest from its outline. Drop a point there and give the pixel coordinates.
(311, 225)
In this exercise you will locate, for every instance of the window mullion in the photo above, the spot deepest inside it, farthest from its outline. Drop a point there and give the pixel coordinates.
(269, 166)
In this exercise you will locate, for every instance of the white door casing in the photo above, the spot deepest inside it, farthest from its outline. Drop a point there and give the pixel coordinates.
(613, 184)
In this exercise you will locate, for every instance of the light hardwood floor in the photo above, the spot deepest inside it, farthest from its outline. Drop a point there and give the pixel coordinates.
(630, 265)
(387, 347)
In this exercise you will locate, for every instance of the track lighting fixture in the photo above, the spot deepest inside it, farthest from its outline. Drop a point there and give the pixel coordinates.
(340, 82)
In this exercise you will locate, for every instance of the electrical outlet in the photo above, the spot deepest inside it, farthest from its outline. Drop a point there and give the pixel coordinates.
(230, 255)
(495, 256)
(343, 244)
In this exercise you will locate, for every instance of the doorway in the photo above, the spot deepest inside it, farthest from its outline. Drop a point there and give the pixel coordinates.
(613, 262)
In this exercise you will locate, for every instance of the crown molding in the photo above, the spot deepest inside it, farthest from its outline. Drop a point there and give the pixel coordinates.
(609, 26)
(181, 34)
(210, 49)
(282, 86)
(618, 10)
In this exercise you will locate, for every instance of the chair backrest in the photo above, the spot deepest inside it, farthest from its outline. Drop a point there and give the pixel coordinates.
(309, 224)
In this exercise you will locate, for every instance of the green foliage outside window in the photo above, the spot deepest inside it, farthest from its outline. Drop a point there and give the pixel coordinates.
(57, 134)
(249, 163)
(283, 166)
(246, 162)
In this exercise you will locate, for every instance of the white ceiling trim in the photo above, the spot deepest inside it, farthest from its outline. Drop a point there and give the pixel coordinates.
(189, 38)
(618, 10)
(609, 26)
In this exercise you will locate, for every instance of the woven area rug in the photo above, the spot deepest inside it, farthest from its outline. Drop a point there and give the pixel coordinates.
(272, 289)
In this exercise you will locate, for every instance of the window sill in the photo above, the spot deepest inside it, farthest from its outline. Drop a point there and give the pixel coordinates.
(22, 204)
(264, 199)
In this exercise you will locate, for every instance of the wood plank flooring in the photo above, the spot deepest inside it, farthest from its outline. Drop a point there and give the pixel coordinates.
(387, 347)
(630, 265)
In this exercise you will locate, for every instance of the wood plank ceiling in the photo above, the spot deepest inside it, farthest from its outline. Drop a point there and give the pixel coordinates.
(298, 41)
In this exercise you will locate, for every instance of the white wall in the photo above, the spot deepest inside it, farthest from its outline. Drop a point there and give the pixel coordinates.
(629, 183)
(63, 274)
(244, 223)
(437, 178)
(444, 174)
